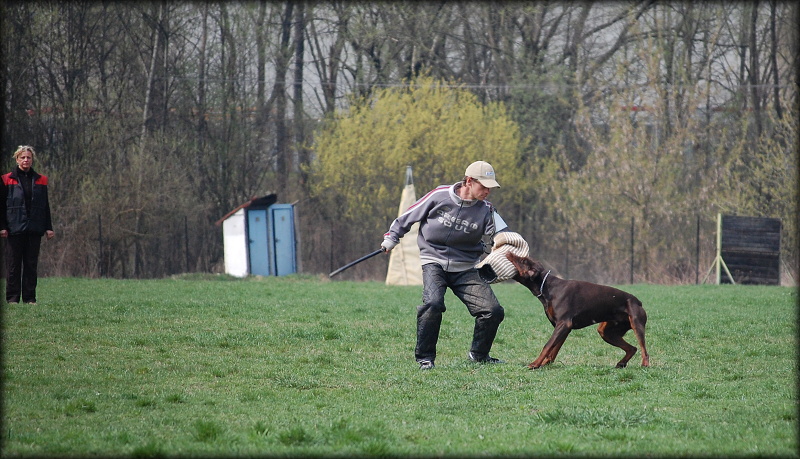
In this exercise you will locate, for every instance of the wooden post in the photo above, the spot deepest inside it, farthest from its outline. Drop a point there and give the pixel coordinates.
(719, 263)
(719, 249)
(632, 252)
(697, 254)
(186, 239)
(100, 240)
(566, 257)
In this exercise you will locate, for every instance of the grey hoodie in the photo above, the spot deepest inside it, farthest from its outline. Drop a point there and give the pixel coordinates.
(452, 231)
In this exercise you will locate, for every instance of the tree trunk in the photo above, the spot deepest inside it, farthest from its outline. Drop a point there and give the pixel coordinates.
(202, 126)
(773, 54)
(279, 92)
(140, 177)
(299, 116)
(754, 70)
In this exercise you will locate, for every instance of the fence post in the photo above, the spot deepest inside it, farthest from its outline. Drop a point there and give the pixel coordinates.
(697, 254)
(719, 249)
(632, 241)
(566, 257)
(100, 240)
(186, 240)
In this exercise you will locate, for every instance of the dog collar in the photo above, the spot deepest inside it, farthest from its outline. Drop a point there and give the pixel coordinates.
(541, 289)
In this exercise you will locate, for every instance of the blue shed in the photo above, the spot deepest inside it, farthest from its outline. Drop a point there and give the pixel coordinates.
(259, 238)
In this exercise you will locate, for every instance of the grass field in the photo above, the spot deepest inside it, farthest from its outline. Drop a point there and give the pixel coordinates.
(300, 366)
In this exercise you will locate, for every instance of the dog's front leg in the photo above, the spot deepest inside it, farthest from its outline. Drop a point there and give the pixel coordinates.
(552, 346)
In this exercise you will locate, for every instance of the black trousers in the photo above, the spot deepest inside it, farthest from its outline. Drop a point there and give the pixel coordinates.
(473, 292)
(22, 263)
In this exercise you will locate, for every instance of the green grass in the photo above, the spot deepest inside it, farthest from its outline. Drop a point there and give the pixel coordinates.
(299, 366)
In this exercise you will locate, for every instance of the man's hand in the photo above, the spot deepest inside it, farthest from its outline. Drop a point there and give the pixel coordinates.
(387, 245)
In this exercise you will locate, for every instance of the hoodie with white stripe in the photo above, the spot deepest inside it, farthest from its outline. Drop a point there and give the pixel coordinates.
(452, 231)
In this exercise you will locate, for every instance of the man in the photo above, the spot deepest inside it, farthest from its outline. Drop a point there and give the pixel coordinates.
(456, 223)
(24, 219)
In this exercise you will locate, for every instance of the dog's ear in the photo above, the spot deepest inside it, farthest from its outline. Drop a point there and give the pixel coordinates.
(522, 264)
(527, 268)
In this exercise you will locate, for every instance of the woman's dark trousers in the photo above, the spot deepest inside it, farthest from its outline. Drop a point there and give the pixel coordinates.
(22, 262)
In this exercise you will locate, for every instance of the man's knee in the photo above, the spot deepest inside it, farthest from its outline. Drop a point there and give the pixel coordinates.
(492, 313)
(497, 313)
(431, 307)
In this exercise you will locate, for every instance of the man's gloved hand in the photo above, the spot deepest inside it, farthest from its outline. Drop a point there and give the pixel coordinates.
(487, 274)
(388, 245)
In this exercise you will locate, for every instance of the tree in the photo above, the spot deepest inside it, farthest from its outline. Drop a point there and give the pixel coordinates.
(766, 185)
(213, 103)
(639, 165)
(436, 128)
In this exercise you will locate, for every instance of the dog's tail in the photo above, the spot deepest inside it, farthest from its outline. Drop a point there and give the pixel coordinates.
(638, 318)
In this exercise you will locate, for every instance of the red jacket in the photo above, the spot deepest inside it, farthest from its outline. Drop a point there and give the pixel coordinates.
(15, 216)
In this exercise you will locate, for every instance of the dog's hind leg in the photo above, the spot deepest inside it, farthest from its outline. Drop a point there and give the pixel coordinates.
(612, 333)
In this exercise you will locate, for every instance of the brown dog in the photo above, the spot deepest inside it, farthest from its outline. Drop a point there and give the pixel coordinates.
(571, 305)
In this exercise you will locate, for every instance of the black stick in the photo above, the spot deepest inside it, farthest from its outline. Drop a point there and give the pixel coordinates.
(352, 263)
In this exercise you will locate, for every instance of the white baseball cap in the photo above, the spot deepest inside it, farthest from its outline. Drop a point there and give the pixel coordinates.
(483, 172)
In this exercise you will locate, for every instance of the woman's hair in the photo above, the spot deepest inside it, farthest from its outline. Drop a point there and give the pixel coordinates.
(22, 148)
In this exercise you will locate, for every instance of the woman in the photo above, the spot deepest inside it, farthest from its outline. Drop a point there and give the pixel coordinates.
(24, 219)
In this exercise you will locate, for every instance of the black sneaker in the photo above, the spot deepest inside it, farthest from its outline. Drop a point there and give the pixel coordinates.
(426, 365)
(487, 359)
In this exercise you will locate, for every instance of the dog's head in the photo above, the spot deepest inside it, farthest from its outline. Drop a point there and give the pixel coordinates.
(529, 271)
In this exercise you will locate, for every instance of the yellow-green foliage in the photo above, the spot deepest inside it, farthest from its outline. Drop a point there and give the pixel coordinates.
(438, 129)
